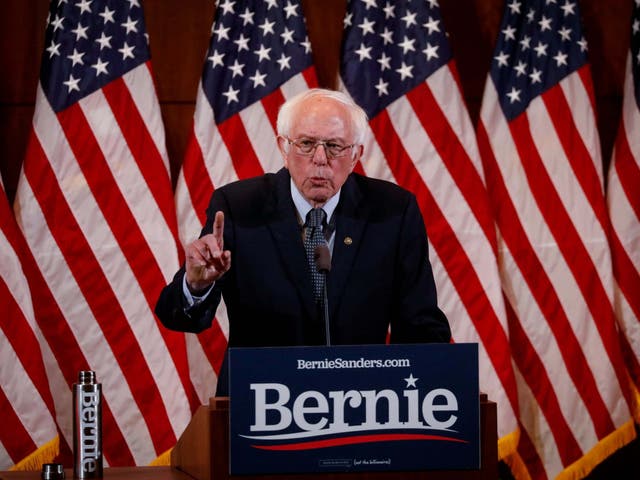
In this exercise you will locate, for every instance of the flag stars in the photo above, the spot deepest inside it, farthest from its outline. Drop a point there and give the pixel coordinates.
(409, 19)
(53, 49)
(514, 95)
(130, 25)
(127, 51)
(432, 25)
(520, 68)
(81, 32)
(636, 26)
(290, 10)
(267, 27)
(306, 44)
(363, 52)
(263, 53)
(107, 15)
(287, 36)
(381, 86)
(531, 14)
(216, 59)
(407, 45)
(347, 22)
(366, 26)
(72, 84)
(242, 42)
(567, 8)
(231, 94)
(389, 10)
(431, 51)
(545, 23)
(222, 32)
(283, 61)
(525, 43)
(502, 59)
(76, 57)
(100, 67)
(258, 79)
(236, 68)
(541, 49)
(247, 17)
(384, 61)
(227, 7)
(583, 44)
(514, 7)
(565, 33)
(104, 41)
(57, 22)
(536, 76)
(560, 58)
(387, 36)
(509, 33)
(405, 71)
(84, 6)
(370, 4)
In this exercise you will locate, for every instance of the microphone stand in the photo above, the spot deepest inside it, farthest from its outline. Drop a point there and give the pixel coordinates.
(322, 257)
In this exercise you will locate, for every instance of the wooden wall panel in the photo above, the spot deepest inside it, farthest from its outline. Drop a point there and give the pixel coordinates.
(179, 33)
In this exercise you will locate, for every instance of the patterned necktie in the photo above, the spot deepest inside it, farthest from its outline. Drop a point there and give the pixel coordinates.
(312, 238)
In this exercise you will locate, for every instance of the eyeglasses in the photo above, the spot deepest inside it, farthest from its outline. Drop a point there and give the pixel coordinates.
(307, 146)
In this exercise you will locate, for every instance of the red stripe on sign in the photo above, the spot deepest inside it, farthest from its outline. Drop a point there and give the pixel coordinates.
(196, 178)
(87, 271)
(584, 272)
(358, 439)
(60, 337)
(453, 256)
(454, 156)
(235, 137)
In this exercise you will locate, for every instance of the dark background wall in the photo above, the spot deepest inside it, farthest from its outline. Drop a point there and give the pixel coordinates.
(179, 34)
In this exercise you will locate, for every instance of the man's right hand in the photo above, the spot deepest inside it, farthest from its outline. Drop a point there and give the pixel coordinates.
(206, 259)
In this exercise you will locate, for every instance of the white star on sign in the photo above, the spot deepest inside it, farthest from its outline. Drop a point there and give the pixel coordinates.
(411, 381)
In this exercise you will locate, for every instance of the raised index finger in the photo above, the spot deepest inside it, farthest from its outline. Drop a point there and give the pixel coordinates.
(218, 229)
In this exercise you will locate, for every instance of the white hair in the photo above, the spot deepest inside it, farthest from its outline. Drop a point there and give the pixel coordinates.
(359, 118)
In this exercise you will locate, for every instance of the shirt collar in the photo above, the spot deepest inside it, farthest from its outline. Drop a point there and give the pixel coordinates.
(303, 207)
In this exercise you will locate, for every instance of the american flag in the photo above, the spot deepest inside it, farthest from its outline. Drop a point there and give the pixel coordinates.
(397, 64)
(259, 56)
(28, 412)
(540, 149)
(95, 204)
(623, 198)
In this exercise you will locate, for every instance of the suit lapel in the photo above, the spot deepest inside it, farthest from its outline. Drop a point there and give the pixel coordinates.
(288, 238)
(351, 215)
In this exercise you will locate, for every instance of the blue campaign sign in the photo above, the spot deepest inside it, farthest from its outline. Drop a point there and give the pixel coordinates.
(354, 408)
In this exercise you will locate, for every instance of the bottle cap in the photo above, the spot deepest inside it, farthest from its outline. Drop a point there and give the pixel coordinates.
(86, 376)
(52, 471)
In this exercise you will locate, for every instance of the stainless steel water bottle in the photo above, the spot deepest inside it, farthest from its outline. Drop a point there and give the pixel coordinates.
(87, 426)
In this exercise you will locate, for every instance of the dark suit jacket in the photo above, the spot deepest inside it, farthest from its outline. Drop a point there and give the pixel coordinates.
(380, 272)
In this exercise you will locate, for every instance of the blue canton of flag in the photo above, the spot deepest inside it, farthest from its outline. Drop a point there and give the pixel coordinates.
(248, 60)
(88, 43)
(384, 58)
(539, 45)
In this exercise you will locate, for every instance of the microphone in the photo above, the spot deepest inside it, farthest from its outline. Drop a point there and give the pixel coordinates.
(322, 257)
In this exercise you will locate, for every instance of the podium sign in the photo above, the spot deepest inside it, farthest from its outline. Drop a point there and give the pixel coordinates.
(354, 408)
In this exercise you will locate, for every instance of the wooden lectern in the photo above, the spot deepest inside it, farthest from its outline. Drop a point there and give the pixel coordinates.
(203, 450)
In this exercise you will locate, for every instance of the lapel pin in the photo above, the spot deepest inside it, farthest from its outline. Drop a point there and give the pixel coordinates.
(348, 240)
